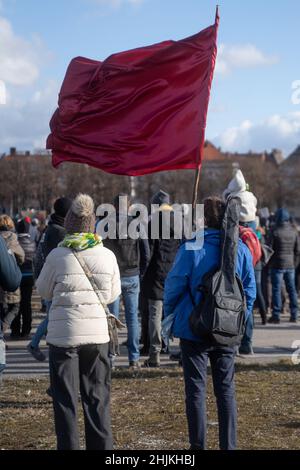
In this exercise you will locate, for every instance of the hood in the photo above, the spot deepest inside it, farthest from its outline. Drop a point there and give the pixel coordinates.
(211, 236)
(282, 215)
(237, 184)
(9, 236)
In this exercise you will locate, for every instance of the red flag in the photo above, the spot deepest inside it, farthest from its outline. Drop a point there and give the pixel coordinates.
(139, 111)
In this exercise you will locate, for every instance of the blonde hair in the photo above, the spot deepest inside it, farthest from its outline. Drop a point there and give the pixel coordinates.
(6, 222)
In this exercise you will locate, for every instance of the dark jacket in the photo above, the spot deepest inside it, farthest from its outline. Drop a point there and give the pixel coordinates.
(54, 234)
(163, 252)
(286, 246)
(29, 248)
(10, 274)
(132, 255)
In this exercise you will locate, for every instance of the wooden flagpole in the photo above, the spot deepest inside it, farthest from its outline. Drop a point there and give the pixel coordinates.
(197, 174)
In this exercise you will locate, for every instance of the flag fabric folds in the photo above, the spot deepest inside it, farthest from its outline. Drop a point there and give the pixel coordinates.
(139, 111)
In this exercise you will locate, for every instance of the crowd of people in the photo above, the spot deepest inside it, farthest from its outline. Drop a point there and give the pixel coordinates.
(82, 277)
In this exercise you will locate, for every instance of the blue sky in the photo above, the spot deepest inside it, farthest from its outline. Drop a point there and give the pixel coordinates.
(251, 105)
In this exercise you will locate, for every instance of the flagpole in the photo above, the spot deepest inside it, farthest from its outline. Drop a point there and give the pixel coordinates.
(197, 174)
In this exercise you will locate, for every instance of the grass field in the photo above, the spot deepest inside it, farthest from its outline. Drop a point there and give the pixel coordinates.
(148, 410)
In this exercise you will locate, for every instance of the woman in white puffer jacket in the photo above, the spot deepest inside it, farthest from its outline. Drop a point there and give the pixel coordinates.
(77, 331)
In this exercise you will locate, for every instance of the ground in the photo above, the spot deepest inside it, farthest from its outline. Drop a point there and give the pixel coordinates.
(148, 410)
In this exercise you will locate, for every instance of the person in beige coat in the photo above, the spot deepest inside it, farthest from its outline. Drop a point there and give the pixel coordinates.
(78, 335)
(10, 301)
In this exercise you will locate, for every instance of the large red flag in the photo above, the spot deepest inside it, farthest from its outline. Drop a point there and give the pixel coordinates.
(139, 111)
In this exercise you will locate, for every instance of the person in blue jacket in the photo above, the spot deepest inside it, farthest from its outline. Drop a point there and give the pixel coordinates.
(188, 270)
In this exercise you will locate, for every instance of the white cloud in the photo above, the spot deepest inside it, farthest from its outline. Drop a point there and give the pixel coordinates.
(276, 131)
(19, 58)
(25, 122)
(241, 56)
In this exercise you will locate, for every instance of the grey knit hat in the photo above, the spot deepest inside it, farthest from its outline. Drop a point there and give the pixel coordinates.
(81, 215)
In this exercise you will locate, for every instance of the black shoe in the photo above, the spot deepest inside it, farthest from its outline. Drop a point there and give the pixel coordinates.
(164, 351)
(175, 356)
(134, 366)
(149, 363)
(264, 319)
(246, 352)
(274, 321)
(293, 320)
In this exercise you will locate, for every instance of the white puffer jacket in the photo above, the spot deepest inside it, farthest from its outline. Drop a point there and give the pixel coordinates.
(76, 316)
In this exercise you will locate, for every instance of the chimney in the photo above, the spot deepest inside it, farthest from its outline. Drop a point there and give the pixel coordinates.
(12, 151)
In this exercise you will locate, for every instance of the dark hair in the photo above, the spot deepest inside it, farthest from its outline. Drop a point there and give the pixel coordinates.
(22, 226)
(214, 209)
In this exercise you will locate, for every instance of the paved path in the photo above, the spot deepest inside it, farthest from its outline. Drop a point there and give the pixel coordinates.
(271, 343)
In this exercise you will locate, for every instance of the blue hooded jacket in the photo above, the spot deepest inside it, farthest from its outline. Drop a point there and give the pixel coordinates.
(189, 268)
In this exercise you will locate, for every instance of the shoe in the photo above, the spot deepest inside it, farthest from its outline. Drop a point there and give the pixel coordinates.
(246, 351)
(264, 319)
(25, 337)
(274, 321)
(152, 361)
(175, 357)
(36, 353)
(15, 336)
(164, 351)
(293, 320)
(134, 366)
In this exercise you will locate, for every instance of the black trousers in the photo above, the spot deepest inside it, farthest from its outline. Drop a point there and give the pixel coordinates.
(195, 359)
(85, 368)
(25, 312)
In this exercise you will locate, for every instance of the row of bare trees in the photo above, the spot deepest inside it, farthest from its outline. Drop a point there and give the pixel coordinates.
(32, 182)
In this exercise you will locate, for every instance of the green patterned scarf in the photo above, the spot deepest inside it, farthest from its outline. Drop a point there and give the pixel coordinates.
(81, 241)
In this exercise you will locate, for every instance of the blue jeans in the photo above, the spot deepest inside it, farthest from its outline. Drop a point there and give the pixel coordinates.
(41, 329)
(194, 360)
(259, 294)
(246, 343)
(288, 275)
(130, 287)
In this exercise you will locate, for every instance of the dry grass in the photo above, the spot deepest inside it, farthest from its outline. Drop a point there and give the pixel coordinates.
(148, 410)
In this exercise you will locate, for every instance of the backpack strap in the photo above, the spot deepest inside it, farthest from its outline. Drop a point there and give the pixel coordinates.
(229, 240)
(113, 323)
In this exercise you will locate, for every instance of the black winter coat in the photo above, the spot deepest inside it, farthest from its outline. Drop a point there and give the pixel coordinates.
(29, 248)
(55, 233)
(132, 255)
(163, 254)
(286, 246)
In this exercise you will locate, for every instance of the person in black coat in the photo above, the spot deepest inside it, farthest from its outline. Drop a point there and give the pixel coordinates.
(56, 231)
(53, 235)
(21, 326)
(163, 252)
(286, 246)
